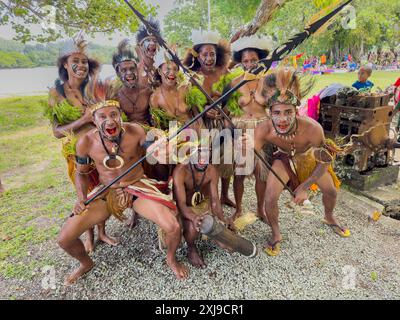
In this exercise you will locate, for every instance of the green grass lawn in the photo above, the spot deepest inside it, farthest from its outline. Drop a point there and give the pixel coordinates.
(39, 195)
(380, 79)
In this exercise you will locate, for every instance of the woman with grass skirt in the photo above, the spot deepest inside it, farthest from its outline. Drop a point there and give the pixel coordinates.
(209, 58)
(69, 113)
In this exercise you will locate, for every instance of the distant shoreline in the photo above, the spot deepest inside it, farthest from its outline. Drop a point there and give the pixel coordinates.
(36, 67)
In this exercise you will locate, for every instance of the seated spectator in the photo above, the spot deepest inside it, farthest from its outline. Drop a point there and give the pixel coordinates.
(363, 74)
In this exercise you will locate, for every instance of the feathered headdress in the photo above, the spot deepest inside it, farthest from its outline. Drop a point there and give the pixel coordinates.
(288, 87)
(78, 44)
(142, 32)
(125, 52)
(101, 94)
(161, 57)
(262, 45)
(199, 37)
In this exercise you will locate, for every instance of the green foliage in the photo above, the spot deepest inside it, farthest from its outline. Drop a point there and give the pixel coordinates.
(14, 59)
(17, 55)
(233, 101)
(226, 17)
(104, 16)
(195, 98)
(160, 118)
(62, 113)
(378, 24)
(226, 79)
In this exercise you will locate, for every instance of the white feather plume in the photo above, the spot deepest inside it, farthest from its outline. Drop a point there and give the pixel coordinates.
(78, 44)
(203, 37)
(161, 57)
(254, 41)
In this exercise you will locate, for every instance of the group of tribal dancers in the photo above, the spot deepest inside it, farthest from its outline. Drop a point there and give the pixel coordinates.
(104, 126)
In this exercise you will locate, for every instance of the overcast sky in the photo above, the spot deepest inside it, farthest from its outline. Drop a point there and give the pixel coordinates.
(165, 6)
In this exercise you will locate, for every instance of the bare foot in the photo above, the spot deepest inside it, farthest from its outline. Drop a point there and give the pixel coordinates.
(2, 188)
(78, 273)
(195, 258)
(274, 239)
(109, 240)
(230, 224)
(228, 202)
(331, 220)
(237, 213)
(181, 272)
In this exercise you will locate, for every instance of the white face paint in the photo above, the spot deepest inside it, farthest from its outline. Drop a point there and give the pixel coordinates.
(109, 122)
(149, 47)
(169, 73)
(283, 118)
(127, 72)
(77, 66)
(249, 59)
(207, 57)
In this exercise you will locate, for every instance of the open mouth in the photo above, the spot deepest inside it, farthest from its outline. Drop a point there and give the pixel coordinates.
(130, 79)
(171, 78)
(111, 131)
(152, 51)
(81, 72)
(283, 128)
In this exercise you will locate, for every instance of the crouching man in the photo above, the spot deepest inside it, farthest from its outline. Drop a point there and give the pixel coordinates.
(304, 156)
(113, 147)
(196, 192)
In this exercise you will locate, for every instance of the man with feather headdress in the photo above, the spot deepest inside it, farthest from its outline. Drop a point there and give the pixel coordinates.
(111, 148)
(304, 156)
(133, 95)
(68, 110)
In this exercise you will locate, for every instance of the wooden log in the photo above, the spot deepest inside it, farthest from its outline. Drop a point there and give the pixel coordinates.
(218, 232)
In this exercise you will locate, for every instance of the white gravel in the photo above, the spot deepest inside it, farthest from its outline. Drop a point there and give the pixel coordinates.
(314, 263)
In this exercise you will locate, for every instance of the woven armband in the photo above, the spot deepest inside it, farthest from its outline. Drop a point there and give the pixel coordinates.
(83, 160)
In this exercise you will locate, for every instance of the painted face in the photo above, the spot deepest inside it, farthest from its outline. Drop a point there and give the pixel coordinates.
(249, 59)
(169, 73)
(203, 158)
(363, 75)
(207, 57)
(128, 73)
(109, 122)
(77, 66)
(149, 46)
(283, 118)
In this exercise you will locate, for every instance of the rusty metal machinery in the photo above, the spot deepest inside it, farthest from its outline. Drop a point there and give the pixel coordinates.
(365, 116)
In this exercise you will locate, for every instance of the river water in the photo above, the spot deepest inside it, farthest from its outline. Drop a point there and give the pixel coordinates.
(34, 81)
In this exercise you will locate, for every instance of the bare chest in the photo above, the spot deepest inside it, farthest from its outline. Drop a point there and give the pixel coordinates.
(134, 103)
(129, 150)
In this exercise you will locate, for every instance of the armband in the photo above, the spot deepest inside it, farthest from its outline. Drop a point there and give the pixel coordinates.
(83, 160)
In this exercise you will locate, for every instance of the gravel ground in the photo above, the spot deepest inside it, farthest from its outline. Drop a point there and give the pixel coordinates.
(314, 263)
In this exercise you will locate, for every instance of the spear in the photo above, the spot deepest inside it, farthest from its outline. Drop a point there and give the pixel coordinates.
(263, 66)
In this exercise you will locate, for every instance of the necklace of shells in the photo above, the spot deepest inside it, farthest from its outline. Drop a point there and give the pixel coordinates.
(197, 197)
(289, 137)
